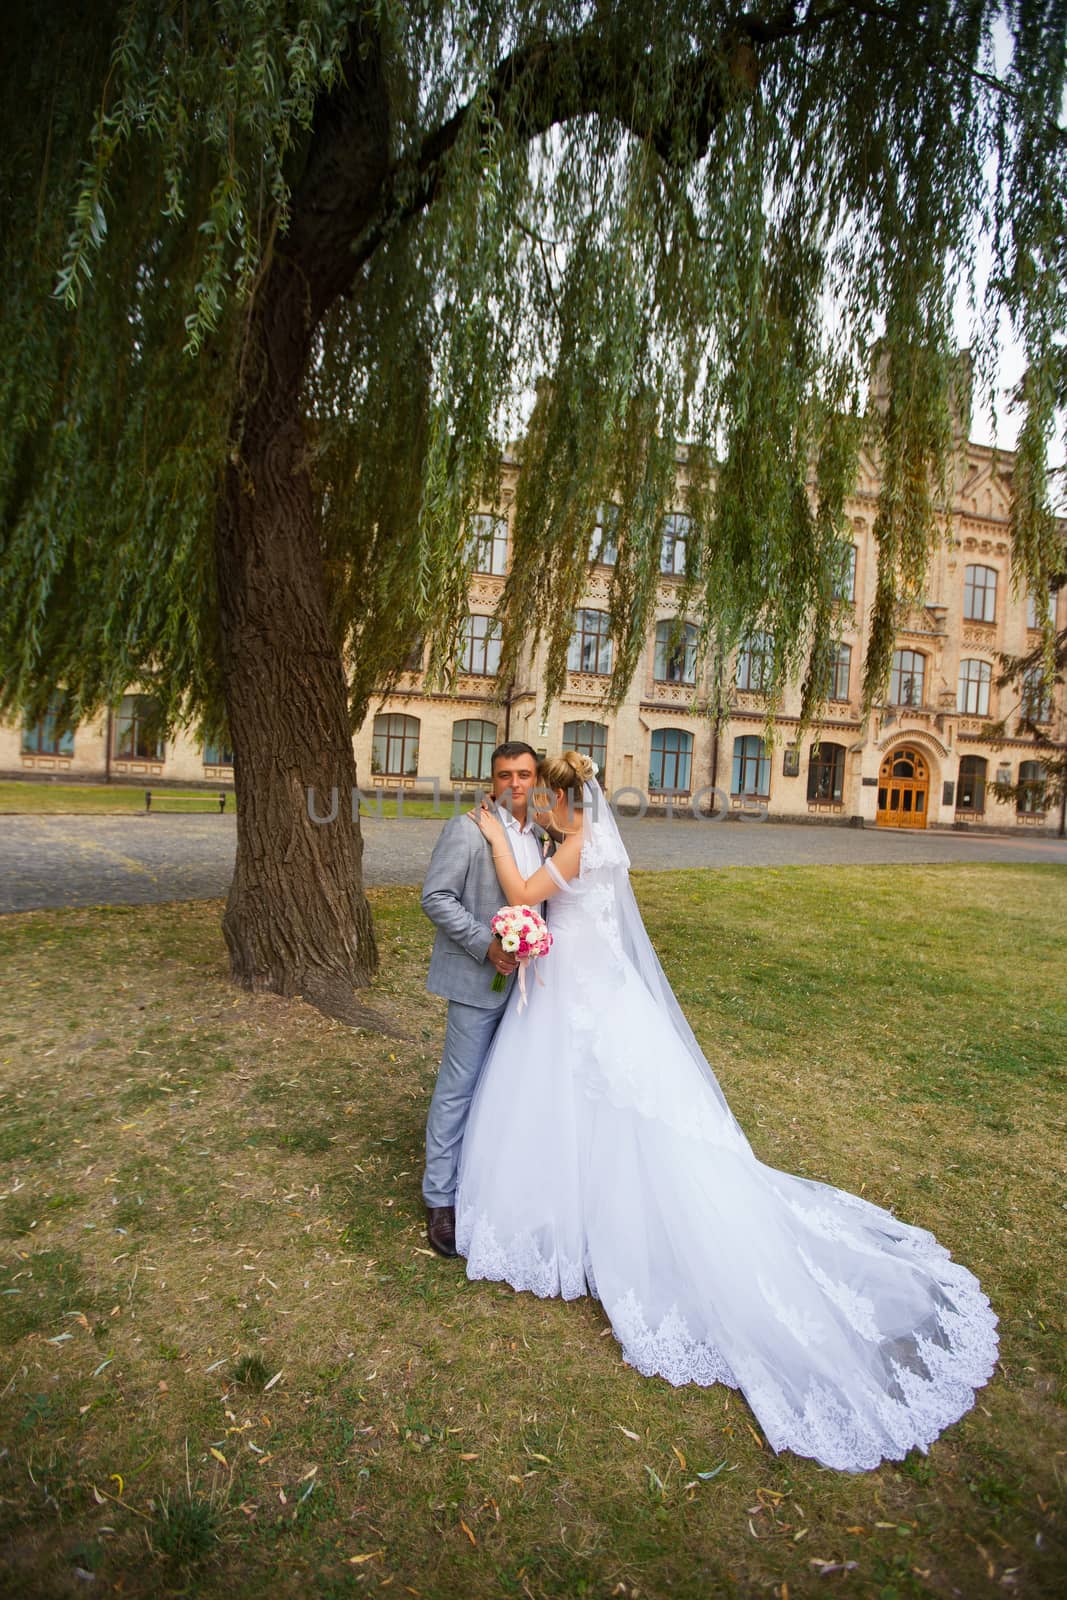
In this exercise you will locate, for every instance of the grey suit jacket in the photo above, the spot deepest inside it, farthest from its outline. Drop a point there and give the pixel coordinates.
(461, 895)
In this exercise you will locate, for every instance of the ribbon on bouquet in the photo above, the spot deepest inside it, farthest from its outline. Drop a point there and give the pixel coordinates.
(522, 979)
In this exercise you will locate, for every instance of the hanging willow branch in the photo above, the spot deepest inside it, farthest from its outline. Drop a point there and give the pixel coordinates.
(717, 180)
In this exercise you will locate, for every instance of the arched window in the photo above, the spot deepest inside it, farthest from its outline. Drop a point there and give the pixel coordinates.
(590, 647)
(980, 594)
(672, 547)
(1031, 796)
(1033, 619)
(1036, 702)
(672, 759)
(473, 743)
(603, 546)
(752, 766)
(676, 652)
(43, 738)
(840, 672)
(845, 586)
(480, 647)
(970, 789)
(135, 731)
(826, 774)
(395, 746)
(754, 661)
(906, 679)
(975, 678)
(489, 536)
(589, 739)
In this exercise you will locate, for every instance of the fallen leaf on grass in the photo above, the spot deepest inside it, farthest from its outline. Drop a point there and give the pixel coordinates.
(627, 1431)
(368, 1555)
(467, 1531)
(272, 1381)
(219, 1457)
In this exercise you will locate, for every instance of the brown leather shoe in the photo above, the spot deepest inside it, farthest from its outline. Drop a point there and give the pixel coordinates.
(441, 1229)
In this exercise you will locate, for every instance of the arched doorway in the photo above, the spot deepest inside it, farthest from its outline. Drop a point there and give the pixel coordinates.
(903, 788)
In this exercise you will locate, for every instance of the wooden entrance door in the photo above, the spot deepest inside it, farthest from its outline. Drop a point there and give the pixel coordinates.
(903, 789)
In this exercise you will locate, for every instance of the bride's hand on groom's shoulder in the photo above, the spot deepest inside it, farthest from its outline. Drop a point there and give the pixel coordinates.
(490, 824)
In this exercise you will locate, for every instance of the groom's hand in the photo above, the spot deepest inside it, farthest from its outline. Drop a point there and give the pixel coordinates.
(502, 959)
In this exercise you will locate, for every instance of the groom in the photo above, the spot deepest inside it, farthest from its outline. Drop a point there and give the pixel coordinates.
(460, 896)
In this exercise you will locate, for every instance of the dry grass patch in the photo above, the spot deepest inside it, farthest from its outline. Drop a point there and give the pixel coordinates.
(229, 1365)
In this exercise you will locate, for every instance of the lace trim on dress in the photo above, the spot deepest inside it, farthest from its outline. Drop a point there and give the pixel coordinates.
(927, 1380)
(520, 1262)
(669, 1351)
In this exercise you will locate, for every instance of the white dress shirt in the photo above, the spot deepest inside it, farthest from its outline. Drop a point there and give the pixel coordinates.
(525, 843)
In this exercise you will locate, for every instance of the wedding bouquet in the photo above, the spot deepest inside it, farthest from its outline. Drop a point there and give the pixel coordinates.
(523, 933)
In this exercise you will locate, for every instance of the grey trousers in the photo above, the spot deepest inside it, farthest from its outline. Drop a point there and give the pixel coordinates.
(468, 1035)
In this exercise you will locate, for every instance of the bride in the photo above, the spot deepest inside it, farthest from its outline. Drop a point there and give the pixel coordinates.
(601, 1157)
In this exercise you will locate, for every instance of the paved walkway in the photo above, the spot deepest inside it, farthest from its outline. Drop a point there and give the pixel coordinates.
(135, 860)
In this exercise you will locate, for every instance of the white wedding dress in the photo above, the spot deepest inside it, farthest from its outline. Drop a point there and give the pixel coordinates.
(601, 1157)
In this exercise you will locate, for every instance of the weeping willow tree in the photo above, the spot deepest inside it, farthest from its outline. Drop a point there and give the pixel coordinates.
(278, 275)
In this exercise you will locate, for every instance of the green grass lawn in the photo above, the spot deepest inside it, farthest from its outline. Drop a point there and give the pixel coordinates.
(229, 1365)
(68, 799)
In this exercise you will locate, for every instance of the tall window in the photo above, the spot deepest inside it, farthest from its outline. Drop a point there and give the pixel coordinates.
(980, 594)
(845, 587)
(672, 548)
(906, 679)
(603, 545)
(589, 739)
(135, 732)
(672, 759)
(43, 738)
(676, 652)
(840, 672)
(1036, 703)
(970, 787)
(754, 661)
(395, 747)
(473, 743)
(752, 766)
(1031, 799)
(218, 755)
(413, 659)
(973, 698)
(1033, 619)
(480, 647)
(590, 647)
(489, 536)
(826, 774)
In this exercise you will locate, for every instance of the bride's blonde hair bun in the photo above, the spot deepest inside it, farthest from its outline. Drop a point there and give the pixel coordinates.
(568, 771)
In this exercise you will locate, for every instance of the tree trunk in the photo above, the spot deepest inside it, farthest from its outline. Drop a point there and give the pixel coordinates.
(297, 920)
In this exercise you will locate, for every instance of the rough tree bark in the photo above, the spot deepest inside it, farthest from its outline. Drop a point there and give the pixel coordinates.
(297, 919)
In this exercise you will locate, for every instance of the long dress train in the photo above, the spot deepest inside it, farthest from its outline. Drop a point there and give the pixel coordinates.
(600, 1157)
